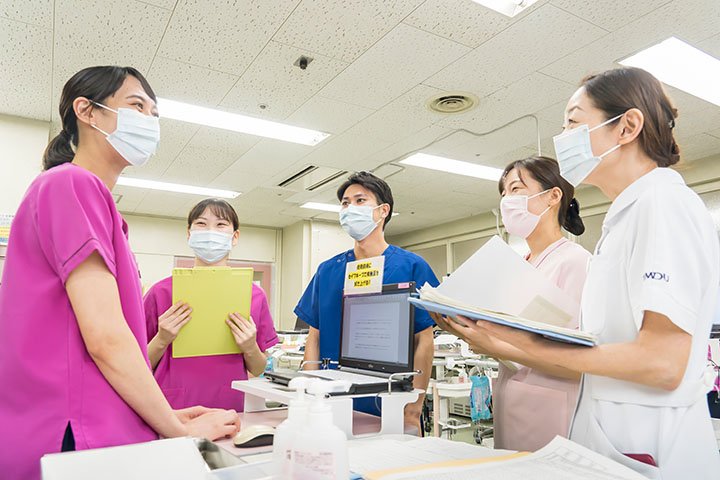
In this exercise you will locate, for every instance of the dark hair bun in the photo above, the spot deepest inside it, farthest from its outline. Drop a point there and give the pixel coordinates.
(573, 223)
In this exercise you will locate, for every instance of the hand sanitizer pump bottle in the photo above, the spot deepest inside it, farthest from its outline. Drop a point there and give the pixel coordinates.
(319, 450)
(286, 432)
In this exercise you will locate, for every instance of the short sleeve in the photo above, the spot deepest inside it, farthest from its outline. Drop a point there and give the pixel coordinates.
(422, 273)
(266, 334)
(308, 308)
(75, 217)
(666, 265)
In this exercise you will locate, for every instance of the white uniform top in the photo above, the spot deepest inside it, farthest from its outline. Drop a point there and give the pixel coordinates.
(658, 252)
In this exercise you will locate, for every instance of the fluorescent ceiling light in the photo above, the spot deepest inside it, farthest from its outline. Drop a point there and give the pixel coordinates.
(449, 165)
(325, 207)
(176, 187)
(238, 123)
(682, 66)
(508, 8)
(328, 207)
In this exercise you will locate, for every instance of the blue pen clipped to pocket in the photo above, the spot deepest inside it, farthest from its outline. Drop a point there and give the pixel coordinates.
(480, 398)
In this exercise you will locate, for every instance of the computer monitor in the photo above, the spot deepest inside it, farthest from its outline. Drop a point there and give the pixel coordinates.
(377, 330)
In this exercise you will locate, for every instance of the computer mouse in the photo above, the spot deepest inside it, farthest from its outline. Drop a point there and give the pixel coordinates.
(254, 436)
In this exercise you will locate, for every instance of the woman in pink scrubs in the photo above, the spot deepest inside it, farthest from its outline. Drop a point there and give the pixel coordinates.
(73, 357)
(532, 405)
(212, 232)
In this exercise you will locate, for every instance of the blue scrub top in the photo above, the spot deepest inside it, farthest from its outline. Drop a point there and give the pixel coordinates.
(321, 303)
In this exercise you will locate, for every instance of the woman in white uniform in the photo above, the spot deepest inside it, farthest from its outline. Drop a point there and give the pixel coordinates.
(651, 288)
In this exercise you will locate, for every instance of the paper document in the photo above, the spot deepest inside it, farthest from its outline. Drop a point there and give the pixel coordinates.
(370, 455)
(497, 279)
(496, 284)
(561, 459)
(213, 293)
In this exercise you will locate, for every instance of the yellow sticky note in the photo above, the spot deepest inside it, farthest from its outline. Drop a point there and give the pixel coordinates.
(213, 293)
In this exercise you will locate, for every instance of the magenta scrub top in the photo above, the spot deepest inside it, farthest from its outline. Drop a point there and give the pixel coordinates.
(204, 380)
(48, 378)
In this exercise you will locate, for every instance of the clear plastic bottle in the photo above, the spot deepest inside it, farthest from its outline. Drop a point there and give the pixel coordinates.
(287, 430)
(319, 450)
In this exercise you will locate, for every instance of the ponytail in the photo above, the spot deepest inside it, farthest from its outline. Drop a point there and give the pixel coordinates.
(58, 151)
(573, 223)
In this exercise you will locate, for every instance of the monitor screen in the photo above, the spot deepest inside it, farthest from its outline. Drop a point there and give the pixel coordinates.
(377, 331)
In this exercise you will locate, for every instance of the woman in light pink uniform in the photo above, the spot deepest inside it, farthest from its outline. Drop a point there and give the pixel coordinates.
(73, 360)
(531, 406)
(213, 229)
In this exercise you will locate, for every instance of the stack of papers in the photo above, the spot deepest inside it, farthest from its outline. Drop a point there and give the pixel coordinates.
(561, 459)
(499, 286)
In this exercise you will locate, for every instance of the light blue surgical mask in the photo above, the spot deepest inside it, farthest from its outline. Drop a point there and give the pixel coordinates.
(358, 222)
(209, 245)
(574, 152)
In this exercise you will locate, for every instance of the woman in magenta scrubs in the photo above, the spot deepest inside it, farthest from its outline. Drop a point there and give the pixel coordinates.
(73, 356)
(213, 230)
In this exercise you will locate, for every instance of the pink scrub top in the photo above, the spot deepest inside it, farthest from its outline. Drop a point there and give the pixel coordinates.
(48, 378)
(204, 380)
(529, 407)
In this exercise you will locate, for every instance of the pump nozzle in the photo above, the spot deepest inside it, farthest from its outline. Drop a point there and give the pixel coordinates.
(300, 385)
(320, 388)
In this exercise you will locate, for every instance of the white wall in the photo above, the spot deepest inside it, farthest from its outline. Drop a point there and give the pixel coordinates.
(306, 244)
(23, 142)
(156, 242)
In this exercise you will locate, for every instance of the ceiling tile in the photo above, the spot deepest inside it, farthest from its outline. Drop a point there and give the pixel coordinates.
(272, 80)
(167, 4)
(711, 46)
(226, 141)
(346, 151)
(198, 166)
(189, 83)
(328, 115)
(343, 30)
(130, 197)
(223, 35)
(131, 32)
(530, 94)
(461, 20)
(38, 12)
(699, 146)
(516, 52)
(687, 19)
(25, 70)
(160, 203)
(269, 157)
(402, 117)
(609, 14)
(410, 54)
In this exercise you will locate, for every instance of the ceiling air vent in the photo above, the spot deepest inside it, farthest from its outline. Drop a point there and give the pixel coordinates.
(297, 176)
(312, 178)
(452, 102)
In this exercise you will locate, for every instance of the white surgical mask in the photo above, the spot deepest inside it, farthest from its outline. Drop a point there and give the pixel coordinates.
(209, 245)
(357, 221)
(136, 137)
(574, 152)
(516, 217)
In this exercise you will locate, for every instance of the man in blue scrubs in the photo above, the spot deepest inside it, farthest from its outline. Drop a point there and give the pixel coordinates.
(367, 204)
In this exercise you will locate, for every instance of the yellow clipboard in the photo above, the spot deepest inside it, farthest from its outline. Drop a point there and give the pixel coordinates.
(213, 293)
